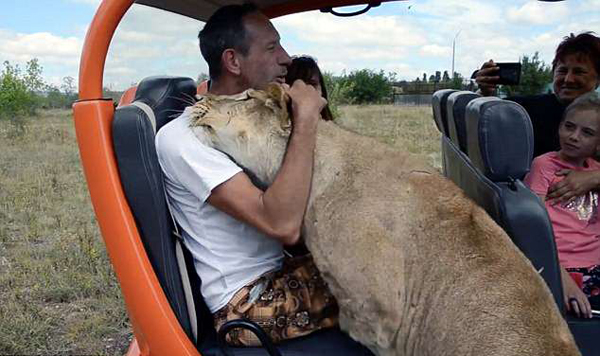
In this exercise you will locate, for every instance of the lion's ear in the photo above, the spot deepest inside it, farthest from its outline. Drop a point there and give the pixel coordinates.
(276, 92)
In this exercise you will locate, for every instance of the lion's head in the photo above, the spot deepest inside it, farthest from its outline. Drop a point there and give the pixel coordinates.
(252, 128)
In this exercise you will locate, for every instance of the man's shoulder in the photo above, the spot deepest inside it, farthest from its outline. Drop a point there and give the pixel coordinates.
(175, 133)
(174, 126)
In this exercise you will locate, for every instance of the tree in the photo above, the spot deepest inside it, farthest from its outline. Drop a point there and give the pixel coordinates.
(535, 75)
(445, 77)
(202, 77)
(457, 81)
(338, 89)
(424, 77)
(369, 87)
(68, 86)
(54, 98)
(33, 76)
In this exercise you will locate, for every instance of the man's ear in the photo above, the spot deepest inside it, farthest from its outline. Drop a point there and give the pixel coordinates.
(230, 61)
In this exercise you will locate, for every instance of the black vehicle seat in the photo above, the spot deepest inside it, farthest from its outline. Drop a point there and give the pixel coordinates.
(157, 101)
(500, 146)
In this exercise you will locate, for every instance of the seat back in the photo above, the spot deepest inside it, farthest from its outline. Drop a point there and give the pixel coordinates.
(456, 108)
(438, 102)
(157, 101)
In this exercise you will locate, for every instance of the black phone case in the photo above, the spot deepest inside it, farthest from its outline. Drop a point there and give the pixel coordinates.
(509, 73)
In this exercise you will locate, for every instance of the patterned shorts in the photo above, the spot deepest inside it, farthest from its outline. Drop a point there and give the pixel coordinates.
(589, 281)
(288, 303)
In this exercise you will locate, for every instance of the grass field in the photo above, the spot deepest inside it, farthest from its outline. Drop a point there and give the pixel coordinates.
(58, 294)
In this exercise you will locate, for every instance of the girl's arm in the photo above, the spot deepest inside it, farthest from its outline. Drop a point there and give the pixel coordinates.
(575, 300)
(538, 179)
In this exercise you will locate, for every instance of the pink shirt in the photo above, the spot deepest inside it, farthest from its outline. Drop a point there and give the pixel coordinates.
(575, 223)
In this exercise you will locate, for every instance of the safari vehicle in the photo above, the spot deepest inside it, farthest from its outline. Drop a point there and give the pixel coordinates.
(158, 281)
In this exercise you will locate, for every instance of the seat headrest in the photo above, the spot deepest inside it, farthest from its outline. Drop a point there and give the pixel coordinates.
(499, 138)
(456, 108)
(438, 102)
(166, 96)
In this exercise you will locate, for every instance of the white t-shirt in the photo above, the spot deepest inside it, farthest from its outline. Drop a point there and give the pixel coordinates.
(228, 254)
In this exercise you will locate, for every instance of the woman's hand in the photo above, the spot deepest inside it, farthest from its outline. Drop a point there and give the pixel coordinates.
(487, 78)
(575, 300)
(575, 183)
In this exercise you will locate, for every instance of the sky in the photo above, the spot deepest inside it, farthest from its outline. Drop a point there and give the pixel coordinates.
(408, 38)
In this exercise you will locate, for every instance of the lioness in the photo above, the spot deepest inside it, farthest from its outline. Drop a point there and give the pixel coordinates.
(417, 268)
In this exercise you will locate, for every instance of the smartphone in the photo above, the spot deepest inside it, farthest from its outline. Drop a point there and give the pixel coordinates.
(509, 73)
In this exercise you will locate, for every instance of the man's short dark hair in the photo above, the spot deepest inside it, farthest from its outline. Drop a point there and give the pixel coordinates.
(224, 29)
(585, 44)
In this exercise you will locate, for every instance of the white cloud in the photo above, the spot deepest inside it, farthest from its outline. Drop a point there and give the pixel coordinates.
(366, 31)
(58, 56)
(48, 48)
(153, 42)
(435, 50)
(465, 12)
(538, 13)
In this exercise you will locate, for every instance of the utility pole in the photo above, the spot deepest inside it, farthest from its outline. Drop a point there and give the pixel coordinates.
(453, 52)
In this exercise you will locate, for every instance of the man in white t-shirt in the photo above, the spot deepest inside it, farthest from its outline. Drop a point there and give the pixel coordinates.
(234, 230)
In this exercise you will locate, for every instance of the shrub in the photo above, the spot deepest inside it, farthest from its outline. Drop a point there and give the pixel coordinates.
(18, 93)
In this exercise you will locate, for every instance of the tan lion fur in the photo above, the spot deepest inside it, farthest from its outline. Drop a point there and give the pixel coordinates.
(417, 268)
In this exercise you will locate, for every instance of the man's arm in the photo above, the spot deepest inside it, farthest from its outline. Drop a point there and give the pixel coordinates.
(278, 212)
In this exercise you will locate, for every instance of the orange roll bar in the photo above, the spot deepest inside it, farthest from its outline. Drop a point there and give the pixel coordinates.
(155, 326)
(95, 48)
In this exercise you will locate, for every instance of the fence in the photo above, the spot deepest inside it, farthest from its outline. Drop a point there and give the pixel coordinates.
(412, 99)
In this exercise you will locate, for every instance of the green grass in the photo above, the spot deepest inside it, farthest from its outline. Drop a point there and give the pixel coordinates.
(409, 128)
(58, 294)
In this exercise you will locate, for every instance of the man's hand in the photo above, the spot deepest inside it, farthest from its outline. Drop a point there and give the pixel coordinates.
(575, 300)
(307, 104)
(487, 78)
(575, 183)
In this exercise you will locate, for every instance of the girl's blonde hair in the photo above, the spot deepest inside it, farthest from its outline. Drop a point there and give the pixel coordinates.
(588, 101)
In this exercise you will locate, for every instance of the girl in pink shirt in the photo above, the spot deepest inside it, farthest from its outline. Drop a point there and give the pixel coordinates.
(576, 223)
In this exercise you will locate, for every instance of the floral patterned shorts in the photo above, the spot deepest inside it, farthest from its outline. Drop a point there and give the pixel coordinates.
(288, 303)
